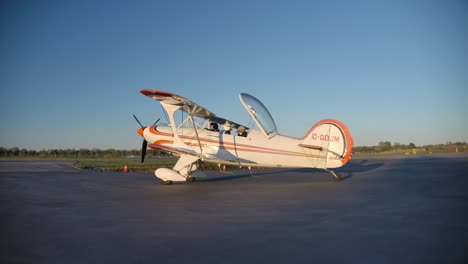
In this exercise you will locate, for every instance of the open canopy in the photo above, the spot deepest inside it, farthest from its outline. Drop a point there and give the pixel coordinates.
(260, 114)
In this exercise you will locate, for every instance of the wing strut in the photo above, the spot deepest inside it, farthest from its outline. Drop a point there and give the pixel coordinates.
(196, 133)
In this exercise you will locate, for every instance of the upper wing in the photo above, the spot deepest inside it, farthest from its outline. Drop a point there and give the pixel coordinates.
(173, 99)
(188, 106)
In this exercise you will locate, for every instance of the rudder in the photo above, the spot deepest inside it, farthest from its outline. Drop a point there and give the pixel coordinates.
(330, 135)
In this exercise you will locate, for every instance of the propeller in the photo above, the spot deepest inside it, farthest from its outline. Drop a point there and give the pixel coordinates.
(134, 116)
(156, 122)
(144, 145)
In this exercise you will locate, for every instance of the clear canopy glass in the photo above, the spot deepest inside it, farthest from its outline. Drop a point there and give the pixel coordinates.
(260, 114)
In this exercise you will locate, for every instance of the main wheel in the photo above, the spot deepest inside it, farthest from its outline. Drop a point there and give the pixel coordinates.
(165, 182)
(336, 177)
(190, 179)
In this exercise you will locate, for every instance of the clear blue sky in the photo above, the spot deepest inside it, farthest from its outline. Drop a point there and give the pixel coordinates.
(393, 71)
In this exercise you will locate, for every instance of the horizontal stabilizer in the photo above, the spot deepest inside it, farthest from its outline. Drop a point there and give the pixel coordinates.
(311, 146)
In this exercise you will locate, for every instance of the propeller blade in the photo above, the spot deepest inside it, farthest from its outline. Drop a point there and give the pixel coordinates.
(143, 150)
(137, 120)
(156, 122)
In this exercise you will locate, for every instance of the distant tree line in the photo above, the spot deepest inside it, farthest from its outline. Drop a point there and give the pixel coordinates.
(81, 153)
(84, 153)
(384, 146)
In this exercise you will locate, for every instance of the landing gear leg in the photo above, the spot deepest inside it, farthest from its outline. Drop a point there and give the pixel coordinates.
(188, 177)
(336, 176)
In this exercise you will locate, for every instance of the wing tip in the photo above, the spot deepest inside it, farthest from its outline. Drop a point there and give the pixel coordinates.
(151, 93)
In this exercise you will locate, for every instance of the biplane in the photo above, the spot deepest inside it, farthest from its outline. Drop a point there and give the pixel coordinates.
(327, 145)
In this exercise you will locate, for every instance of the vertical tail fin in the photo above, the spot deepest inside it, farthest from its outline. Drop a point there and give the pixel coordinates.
(330, 135)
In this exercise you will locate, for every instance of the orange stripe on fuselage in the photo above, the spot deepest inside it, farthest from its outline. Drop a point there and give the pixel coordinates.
(227, 145)
(163, 141)
(152, 130)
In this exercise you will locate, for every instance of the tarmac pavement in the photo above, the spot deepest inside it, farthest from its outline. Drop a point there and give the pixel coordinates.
(410, 209)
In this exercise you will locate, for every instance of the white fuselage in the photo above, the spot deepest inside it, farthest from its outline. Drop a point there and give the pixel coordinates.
(255, 150)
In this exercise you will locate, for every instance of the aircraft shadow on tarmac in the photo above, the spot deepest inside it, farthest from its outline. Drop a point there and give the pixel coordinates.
(226, 176)
(346, 172)
(358, 167)
(350, 169)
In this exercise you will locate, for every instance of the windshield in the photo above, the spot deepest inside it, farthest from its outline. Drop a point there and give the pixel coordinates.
(260, 114)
